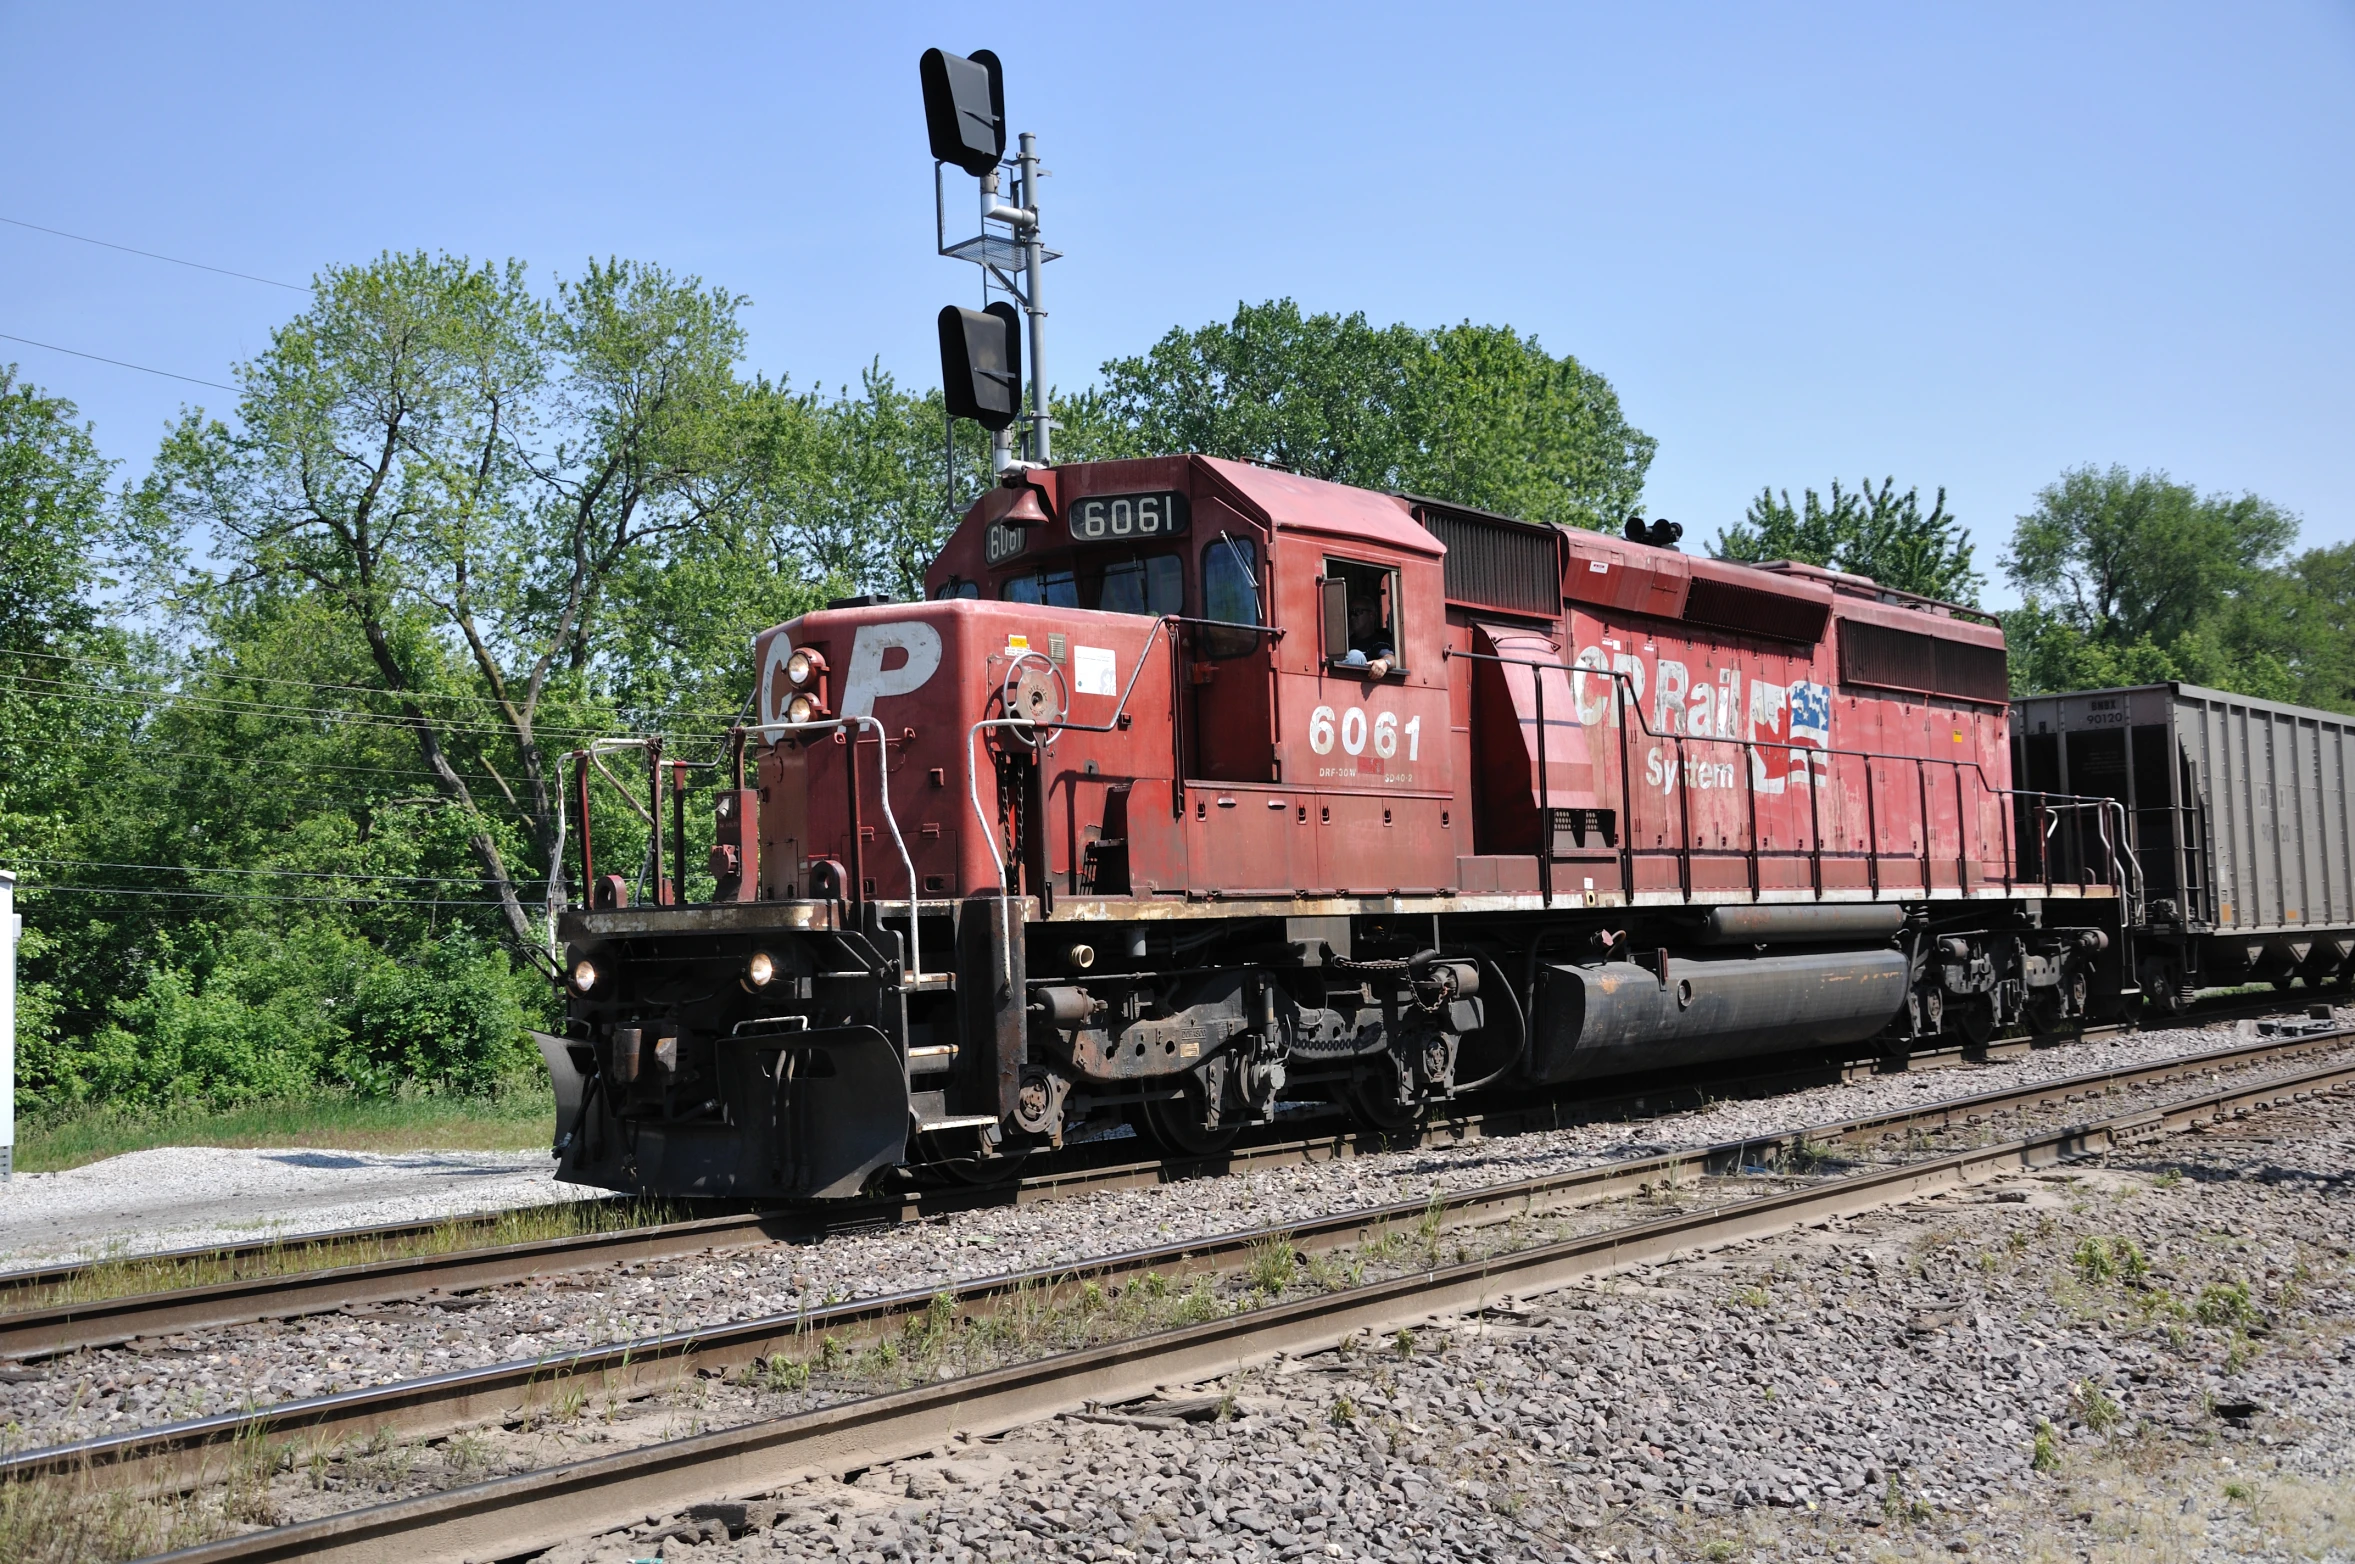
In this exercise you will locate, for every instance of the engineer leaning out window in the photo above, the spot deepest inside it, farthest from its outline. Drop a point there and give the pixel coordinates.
(1373, 628)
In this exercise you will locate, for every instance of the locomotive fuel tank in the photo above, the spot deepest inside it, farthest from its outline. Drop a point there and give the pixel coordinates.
(1615, 1017)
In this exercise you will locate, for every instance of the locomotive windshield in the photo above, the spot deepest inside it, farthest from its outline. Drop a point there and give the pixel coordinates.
(1147, 584)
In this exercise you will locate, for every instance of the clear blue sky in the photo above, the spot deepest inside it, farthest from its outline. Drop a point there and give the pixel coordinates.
(1968, 246)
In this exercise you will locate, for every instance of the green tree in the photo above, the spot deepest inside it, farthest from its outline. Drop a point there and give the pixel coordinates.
(835, 494)
(54, 519)
(458, 470)
(1479, 415)
(2124, 556)
(1867, 532)
(2135, 578)
(55, 528)
(2323, 609)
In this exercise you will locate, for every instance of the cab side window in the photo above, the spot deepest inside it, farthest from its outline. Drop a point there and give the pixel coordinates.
(1230, 594)
(1361, 620)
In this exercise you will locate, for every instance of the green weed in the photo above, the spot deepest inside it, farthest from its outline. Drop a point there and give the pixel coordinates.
(1274, 1264)
(2101, 1260)
(2224, 1303)
(2096, 1407)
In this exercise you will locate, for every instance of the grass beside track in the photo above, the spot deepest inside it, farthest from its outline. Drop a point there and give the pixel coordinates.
(130, 1276)
(517, 1118)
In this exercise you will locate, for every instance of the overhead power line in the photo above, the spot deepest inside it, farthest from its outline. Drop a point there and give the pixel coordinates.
(231, 674)
(34, 887)
(367, 719)
(119, 363)
(108, 244)
(292, 874)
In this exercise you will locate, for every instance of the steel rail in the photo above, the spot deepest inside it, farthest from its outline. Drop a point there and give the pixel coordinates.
(23, 1284)
(179, 1452)
(513, 1515)
(51, 1330)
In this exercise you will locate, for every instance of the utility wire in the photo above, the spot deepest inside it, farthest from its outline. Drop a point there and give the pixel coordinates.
(109, 244)
(233, 675)
(34, 887)
(392, 721)
(120, 363)
(297, 874)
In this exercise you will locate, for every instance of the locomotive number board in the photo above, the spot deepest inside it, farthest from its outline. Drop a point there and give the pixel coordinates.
(1002, 542)
(1119, 518)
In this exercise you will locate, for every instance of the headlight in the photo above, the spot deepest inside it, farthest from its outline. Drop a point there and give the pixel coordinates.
(803, 708)
(583, 976)
(799, 667)
(760, 969)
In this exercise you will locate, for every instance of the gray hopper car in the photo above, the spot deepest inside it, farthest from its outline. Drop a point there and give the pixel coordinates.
(2239, 820)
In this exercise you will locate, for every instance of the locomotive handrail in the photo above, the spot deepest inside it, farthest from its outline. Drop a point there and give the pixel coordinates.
(989, 830)
(883, 788)
(2049, 804)
(581, 760)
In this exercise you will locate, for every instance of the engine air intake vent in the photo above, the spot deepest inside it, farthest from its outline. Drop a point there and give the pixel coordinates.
(1927, 664)
(1515, 566)
(1724, 605)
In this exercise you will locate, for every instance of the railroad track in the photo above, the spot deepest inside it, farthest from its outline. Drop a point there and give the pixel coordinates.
(268, 1280)
(517, 1514)
(278, 1257)
(183, 1453)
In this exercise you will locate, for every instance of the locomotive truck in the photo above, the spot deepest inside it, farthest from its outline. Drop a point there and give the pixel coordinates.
(1196, 791)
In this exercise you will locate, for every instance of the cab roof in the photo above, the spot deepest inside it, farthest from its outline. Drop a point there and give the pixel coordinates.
(1336, 510)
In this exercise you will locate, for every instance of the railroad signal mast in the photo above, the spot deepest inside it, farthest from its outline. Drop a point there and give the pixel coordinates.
(981, 351)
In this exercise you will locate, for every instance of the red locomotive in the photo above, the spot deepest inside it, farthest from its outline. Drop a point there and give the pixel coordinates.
(1196, 789)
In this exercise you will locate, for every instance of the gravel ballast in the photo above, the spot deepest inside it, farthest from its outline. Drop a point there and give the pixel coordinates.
(186, 1196)
(114, 1390)
(2151, 1356)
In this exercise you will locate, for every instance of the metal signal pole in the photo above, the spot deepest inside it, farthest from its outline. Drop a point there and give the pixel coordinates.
(1013, 253)
(1041, 421)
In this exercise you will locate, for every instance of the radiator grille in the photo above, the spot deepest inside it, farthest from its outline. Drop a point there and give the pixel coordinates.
(1509, 565)
(1906, 660)
(1726, 606)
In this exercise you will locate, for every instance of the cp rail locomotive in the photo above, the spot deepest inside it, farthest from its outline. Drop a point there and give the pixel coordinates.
(1196, 791)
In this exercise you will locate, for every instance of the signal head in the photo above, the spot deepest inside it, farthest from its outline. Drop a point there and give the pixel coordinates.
(965, 108)
(981, 363)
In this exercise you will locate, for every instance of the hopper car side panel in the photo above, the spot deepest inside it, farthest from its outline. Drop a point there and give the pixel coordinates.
(2241, 828)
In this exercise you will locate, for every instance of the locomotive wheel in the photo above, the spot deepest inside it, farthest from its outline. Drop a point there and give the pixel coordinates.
(1372, 1105)
(1175, 1124)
